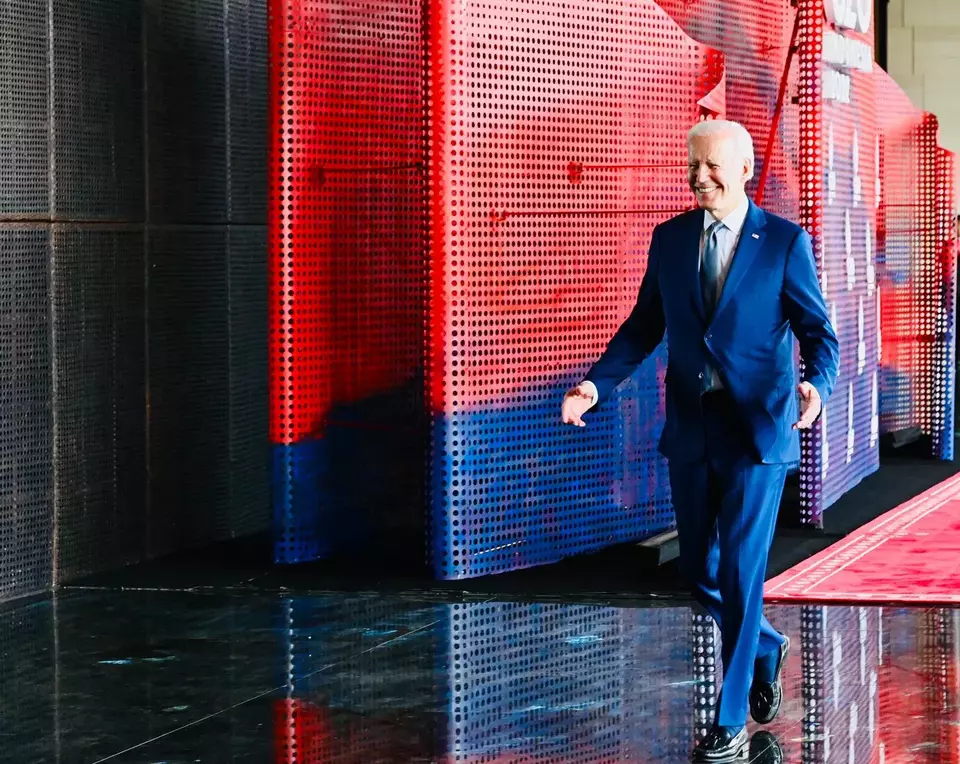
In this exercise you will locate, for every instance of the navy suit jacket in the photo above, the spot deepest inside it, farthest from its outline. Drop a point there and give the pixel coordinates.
(771, 295)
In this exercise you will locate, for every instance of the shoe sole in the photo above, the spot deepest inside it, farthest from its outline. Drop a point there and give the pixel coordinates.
(742, 753)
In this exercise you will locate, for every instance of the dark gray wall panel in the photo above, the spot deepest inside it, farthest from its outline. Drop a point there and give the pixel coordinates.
(159, 115)
(99, 398)
(26, 513)
(189, 395)
(24, 167)
(98, 110)
(249, 443)
(247, 111)
(186, 111)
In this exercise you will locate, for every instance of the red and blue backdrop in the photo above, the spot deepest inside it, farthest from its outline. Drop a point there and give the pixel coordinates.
(462, 197)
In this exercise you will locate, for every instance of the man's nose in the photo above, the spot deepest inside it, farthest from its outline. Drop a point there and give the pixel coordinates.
(703, 174)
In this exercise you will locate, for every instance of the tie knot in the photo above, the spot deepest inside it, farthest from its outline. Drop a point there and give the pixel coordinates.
(715, 227)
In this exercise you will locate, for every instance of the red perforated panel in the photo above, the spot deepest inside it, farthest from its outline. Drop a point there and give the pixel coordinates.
(463, 197)
(916, 272)
(898, 228)
(755, 38)
(559, 138)
(347, 248)
(347, 200)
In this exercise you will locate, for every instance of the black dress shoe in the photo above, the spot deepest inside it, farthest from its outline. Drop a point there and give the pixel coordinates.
(765, 749)
(721, 746)
(766, 697)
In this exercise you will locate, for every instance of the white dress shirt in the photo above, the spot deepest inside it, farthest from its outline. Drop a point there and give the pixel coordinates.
(728, 235)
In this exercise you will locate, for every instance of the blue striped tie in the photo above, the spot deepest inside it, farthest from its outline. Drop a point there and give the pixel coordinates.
(710, 268)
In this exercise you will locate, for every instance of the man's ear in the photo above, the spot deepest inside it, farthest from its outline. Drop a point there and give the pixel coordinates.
(747, 170)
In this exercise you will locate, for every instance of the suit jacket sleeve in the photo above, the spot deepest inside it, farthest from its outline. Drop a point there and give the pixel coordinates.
(637, 337)
(805, 309)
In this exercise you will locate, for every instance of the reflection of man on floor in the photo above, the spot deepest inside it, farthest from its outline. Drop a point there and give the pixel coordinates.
(731, 286)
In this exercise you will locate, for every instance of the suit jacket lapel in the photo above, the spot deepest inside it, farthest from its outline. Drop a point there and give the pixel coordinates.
(748, 247)
(690, 254)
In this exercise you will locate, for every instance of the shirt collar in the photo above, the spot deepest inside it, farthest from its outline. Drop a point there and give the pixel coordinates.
(733, 221)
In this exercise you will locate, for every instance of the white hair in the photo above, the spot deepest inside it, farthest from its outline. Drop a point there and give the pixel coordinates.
(728, 128)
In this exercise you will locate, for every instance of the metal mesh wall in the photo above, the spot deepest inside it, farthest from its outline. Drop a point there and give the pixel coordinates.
(546, 174)
(347, 243)
(916, 269)
(26, 469)
(755, 38)
(187, 98)
(206, 306)
(944, 307)
(24, 91)
(188, 378)
(246, 51)
(542, 216)
(838, 120)
(104, 105)
(247, 509)
(99, 392)
(97, 111)
(898, 227)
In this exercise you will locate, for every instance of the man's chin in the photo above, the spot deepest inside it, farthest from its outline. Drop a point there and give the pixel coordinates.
(708, 200)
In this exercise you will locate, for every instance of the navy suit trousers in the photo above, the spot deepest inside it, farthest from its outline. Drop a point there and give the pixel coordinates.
(726, 506)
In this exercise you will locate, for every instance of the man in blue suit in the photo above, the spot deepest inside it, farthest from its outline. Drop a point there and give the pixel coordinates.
(731, 285)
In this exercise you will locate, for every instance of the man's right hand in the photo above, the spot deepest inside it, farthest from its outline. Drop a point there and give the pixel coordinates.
(576, 403)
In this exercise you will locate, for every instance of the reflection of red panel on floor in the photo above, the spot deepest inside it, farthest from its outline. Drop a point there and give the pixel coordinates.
(909, 555)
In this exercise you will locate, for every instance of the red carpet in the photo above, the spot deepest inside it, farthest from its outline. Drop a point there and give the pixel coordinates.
(909, 555)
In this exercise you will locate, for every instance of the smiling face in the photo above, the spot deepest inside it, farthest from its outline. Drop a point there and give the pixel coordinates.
(718, 173)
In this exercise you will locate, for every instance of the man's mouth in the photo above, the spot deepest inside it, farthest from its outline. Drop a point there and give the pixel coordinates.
(706, 189)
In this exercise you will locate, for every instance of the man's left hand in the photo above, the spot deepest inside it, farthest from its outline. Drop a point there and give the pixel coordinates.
(810, 406)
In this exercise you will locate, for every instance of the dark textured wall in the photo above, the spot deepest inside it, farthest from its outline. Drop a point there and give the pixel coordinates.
(132, 282)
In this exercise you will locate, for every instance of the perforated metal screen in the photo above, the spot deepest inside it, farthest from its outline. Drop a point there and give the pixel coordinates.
(24, 89)
(944, 382)
(917, 272)
(189, 414)
(26, 474)
(99, 392)
(347, 243)
(187, 152)
(96, 112)
(839, 174)
(129, 338)
(539, 262)
(553, 142)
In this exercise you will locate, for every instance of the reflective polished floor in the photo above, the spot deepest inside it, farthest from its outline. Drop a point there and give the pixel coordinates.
(174, 676)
